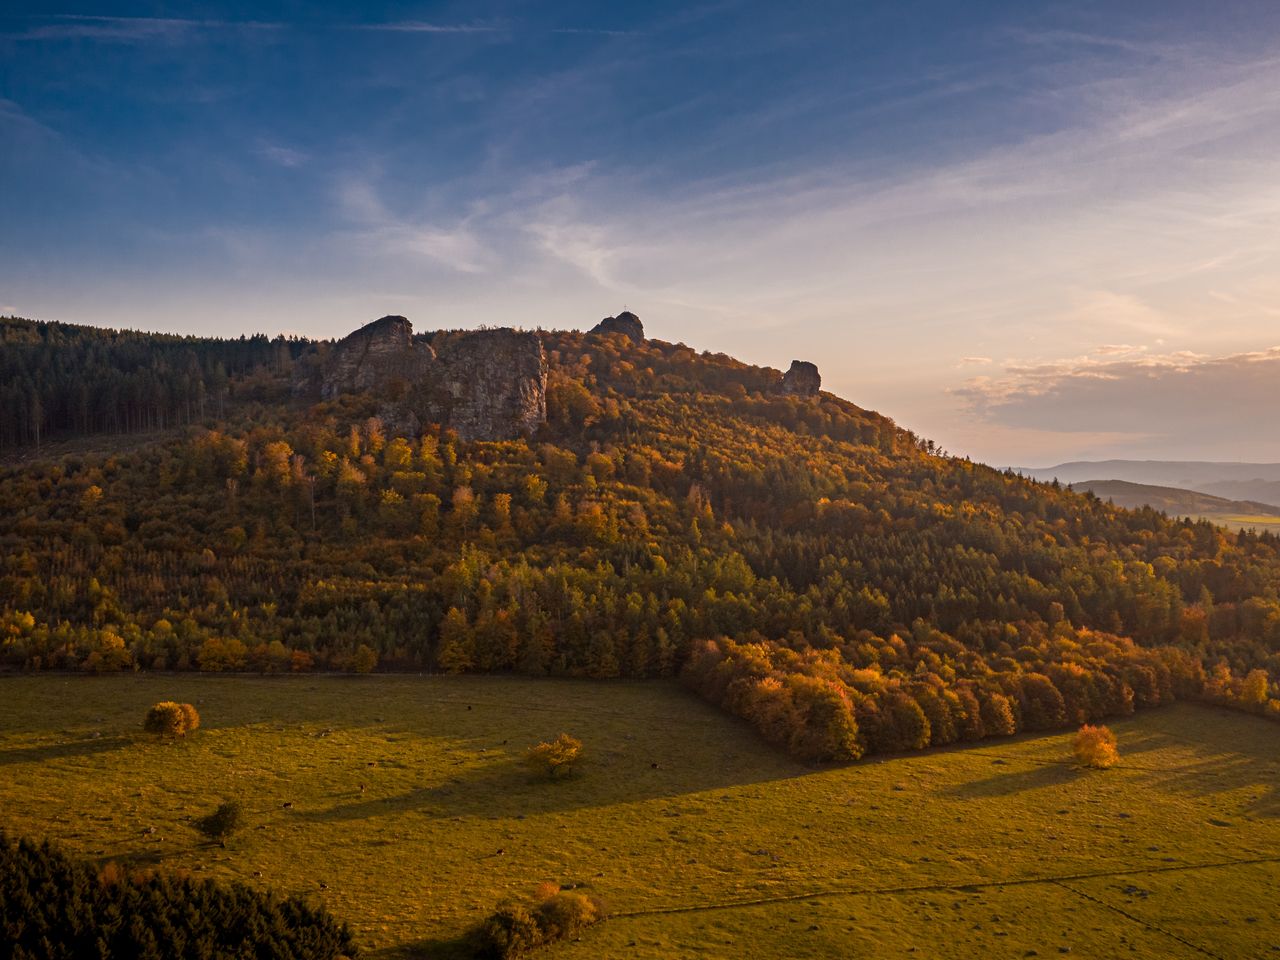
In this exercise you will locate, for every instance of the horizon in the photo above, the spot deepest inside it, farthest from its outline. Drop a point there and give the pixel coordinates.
(1033, 235)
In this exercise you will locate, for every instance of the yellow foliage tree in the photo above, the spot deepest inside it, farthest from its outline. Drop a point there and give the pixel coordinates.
(1096, 747)
(556, 757)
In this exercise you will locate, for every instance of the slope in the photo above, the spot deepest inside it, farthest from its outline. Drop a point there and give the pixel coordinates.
(804, 563)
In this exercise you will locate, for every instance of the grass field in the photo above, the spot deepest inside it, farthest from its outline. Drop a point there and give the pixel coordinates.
(1243, 521)
(725, 848)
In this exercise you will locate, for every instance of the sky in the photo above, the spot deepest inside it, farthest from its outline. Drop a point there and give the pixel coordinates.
(1030, 231)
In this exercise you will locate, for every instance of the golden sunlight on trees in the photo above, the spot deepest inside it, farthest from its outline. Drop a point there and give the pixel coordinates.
(170, 719)
(555, 758)
(1096, 747)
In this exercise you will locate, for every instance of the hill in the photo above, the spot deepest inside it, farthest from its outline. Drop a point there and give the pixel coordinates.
(1172, 500)
(591, 504)
(1259, 482)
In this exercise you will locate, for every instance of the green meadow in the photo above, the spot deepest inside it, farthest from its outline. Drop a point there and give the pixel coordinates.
(400, 802)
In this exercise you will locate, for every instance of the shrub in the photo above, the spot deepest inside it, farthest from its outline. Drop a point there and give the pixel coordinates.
(1096, 747)
(556, 757)
(223, 822)
(517, 927)
(170, 719)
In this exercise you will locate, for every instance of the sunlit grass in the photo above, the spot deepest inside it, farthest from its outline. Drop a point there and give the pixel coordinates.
(403, 804)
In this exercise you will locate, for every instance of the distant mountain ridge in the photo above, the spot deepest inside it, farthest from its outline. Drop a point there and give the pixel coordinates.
(1172, 500)
(1231, 480)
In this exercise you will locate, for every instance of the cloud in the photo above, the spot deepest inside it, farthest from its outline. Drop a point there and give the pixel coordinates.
(283, 156)
(379, 232)
(132, 29)
(422, 26)
(1178, 400)
(974, 361)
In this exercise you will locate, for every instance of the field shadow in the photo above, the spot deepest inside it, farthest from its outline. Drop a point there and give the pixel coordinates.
(1245, 756)
(40, 753)
(1225, 774)
(1016, 781)
(454, 948)
(505, 788)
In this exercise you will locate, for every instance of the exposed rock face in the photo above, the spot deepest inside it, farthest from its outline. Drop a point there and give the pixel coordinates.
(485, 384)
(625, 323)
(374, 356)
(802, 380)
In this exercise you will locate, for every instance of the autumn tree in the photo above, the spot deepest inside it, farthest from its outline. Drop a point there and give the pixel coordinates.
(171, 719)
(1096, 747)
(555, 758)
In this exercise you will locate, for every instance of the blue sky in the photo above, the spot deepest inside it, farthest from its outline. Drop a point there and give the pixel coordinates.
(1031, 231)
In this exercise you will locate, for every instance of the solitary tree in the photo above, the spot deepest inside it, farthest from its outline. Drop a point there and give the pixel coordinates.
(223, 822)
(1096, 747)
(555, 758)
(170, 719)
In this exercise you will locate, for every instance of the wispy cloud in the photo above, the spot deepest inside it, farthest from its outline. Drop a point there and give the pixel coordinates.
(376, 231)
(423, 26)
(283, 156)
(594, 32)
(132, 29)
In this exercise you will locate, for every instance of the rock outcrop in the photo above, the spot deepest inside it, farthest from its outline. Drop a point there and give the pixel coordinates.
(373, 357)
(484, 384)
(802, 380)
(625, 323)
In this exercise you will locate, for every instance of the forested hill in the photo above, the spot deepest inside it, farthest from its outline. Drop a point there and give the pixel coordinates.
(59, 378)
(799, 560)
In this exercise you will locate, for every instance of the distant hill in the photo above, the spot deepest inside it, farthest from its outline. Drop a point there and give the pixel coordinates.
(1172, 500)
(1259, 482)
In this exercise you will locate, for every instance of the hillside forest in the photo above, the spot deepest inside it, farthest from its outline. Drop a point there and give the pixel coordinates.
(169, 503)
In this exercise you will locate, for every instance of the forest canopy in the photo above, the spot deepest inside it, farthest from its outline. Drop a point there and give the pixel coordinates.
(835, 580)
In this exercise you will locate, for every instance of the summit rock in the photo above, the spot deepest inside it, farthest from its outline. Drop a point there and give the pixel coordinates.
(625, 323)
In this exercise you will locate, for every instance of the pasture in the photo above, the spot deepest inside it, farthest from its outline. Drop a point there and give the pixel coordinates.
(400, 802)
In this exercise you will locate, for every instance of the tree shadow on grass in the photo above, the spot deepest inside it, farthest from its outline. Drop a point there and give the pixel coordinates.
(1211, 750)
(454, 948)
(39, 753)
(1018, 781)
(1229, 751)
(504, 788)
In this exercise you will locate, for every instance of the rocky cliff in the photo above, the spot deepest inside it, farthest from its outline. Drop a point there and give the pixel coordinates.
(485, 384)
(625, 323)
(802, 380)
(373, 357)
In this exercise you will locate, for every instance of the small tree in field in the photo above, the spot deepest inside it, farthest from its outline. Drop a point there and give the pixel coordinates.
(170, 719)
(223, 822)
(1096, 747)
(190, 716)
(556, 757)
